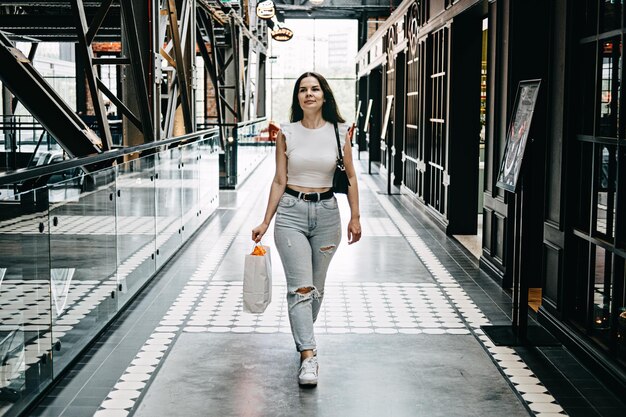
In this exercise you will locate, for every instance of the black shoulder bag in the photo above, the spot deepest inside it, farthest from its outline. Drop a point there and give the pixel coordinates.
(340, 178)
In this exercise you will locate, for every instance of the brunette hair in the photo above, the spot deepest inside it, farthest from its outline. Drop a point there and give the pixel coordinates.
(330, 112)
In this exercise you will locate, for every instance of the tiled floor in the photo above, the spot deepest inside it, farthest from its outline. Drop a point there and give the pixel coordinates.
(384, 308)
(399, 334)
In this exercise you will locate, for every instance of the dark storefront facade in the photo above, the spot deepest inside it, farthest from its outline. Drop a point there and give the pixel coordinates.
(440, 79)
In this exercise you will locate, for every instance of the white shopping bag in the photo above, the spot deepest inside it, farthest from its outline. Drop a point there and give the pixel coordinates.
(257, 282)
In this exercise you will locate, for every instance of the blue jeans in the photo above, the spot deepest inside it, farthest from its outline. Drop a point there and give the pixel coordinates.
(306, 235)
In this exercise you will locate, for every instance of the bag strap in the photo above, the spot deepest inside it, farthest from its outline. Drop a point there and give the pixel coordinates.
(340, 159)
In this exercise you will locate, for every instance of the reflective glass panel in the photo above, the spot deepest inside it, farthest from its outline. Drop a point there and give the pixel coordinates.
(25, 317)
(587, 18)
(190, 184)
(621, 199)
(620, 274)
(585, 182)
(610, 77)
(606, 182)
(588, 99)
(83, 259)
(610, 15)
(602, 294)
(135, 228)
(252, 148)
(580, 281)
(208, 176)
(168, 204)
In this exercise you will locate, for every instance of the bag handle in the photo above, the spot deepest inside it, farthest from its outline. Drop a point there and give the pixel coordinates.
(340, 159)
(259, 244)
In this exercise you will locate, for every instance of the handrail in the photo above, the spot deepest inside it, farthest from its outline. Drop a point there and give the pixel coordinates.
(26, 174)
(238, 124)
(250, 122)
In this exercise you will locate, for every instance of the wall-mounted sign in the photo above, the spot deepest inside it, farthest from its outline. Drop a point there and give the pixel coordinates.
(282, 34)
(265, 10)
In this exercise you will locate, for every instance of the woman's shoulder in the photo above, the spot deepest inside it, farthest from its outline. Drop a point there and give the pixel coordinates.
(287, 127)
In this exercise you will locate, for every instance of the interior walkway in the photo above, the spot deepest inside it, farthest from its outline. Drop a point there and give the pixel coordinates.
(399, 333)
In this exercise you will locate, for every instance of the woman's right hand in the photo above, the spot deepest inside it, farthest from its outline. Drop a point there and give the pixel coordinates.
(259, 231)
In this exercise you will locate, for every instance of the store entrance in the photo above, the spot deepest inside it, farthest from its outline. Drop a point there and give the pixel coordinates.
(470, 232)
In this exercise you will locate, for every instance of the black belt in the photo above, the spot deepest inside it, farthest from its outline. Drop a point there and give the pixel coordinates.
(310, 196)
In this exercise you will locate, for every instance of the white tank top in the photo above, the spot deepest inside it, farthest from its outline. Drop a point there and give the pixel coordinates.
(312, 153)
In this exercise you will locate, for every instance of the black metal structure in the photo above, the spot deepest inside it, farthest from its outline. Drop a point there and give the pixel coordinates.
(564, 233)
(584, 228)
(155, 65)
(19, 76)
(225, 43)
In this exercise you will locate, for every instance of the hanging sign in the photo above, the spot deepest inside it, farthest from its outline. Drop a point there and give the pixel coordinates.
(265, 10)
(282, 34)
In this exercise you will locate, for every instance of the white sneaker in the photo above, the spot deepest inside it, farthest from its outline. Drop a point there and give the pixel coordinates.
(308, 372)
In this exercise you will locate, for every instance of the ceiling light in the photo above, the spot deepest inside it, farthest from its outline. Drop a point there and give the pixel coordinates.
(316, 2)
(282, 34)
(265, 10)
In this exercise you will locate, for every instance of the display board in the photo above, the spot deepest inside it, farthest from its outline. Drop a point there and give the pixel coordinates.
(517, 134)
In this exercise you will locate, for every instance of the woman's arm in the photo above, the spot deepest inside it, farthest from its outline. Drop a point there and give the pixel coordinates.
(277, 188)
(354, 226)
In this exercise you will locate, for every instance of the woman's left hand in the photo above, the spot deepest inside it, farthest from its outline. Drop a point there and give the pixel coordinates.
(354, 231)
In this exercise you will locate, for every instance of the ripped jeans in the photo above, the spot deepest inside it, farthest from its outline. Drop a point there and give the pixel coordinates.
(306, 235)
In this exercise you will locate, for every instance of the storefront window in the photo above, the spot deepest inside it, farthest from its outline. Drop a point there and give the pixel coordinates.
(610, 15)
(606, 185)
(600, 281)
(602, 294)
(579, 282)
(587, 90)
(609, 91)
(584, 184)
(620, 274)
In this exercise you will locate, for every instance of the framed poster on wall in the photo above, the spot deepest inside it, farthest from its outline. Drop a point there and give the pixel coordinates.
(517, 134)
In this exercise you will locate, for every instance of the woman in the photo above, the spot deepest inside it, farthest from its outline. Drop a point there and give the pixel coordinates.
(308, 228)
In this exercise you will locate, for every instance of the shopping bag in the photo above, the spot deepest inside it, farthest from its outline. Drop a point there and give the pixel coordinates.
(257, 280)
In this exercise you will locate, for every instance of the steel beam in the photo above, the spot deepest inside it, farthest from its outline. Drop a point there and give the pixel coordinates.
(59, 28)
(31, 58)
(96, 23)
(45, 104)
(210, 62)
(78, 9)
(181, 73)
(138, 69)
(119, 104)
(234, 72)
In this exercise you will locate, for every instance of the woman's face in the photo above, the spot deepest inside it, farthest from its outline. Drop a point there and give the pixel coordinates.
(310, 95)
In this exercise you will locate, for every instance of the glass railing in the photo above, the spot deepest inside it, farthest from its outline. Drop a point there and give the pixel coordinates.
(75, 250)
(244, 146)
(24, 142)
(254, 144)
